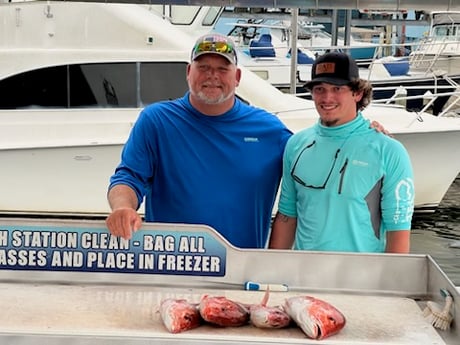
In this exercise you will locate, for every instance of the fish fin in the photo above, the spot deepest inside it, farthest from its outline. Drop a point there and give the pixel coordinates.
(266, 297)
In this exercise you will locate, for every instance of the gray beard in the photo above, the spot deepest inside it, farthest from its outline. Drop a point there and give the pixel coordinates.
(208, 100)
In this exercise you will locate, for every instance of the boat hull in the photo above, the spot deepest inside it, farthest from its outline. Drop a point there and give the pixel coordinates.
(72, 178)
(57, 180)
(430, 172)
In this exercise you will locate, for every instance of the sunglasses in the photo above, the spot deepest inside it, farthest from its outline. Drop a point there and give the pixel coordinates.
(211, 46)
(302, 182)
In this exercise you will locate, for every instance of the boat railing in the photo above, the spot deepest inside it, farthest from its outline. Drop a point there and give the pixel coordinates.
(281, 47)
(415, 51)
(419, 63)
(376, 69)
(431, 49)
(400, 97)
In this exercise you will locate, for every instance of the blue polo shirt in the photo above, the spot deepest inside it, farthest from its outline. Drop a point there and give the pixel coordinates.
(222, 171)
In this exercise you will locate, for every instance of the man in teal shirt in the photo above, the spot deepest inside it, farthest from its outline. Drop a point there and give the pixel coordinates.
(345, 187)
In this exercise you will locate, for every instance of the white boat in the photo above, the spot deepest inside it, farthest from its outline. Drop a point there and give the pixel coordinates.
(434, 64)
(265, 48)
(72, 88)
(316, 38)
(265, 45)
(311, 37)
(268, 55)
(440, 50)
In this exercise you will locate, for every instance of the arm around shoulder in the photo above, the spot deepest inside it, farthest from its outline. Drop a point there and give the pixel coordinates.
(283, 232)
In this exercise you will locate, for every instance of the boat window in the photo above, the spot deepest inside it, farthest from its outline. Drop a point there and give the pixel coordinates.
(115, 85)
(109, 84)
(40, 88)
(212, 16)
(161, 81)
(440, 31)
(183, 15)
(456, 32)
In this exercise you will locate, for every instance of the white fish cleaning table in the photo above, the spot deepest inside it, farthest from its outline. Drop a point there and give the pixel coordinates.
(71, 282)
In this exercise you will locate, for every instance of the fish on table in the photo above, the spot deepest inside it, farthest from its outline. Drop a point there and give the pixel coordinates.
(179, 315)
(317, 318)
(221, 311)
(263, 316)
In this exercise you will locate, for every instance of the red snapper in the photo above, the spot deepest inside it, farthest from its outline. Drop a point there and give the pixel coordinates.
(317, 318)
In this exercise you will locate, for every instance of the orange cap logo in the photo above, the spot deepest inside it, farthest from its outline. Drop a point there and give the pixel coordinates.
(325, 67)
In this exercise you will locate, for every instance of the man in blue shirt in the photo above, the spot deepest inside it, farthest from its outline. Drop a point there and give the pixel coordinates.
(345, 187)
(206, 158)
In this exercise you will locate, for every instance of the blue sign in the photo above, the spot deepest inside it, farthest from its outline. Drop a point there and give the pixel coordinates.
(96, 250)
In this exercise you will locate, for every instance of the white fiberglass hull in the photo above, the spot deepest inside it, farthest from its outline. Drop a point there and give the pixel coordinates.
(61, 180)
(432, 173)
(71, 177)
(60, 161)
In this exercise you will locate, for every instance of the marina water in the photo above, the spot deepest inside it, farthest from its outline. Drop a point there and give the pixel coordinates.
(438, 233)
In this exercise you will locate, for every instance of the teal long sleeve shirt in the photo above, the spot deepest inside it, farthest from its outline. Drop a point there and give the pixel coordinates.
(347, 186)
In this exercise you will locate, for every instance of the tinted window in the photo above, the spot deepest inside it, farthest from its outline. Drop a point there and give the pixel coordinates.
(95, 85)
(103, 85)
(46, 87)
(162, 81)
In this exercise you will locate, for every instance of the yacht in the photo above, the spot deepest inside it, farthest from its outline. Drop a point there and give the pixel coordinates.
(440, 50)
(74, 77)
(433, 66)
(265, 45)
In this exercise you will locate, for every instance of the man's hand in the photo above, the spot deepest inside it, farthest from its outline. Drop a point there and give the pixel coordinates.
(123, 222)
(124, 219)
(379, 128)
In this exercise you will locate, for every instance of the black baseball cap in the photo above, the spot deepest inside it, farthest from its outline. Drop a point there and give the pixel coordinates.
(333, 68)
